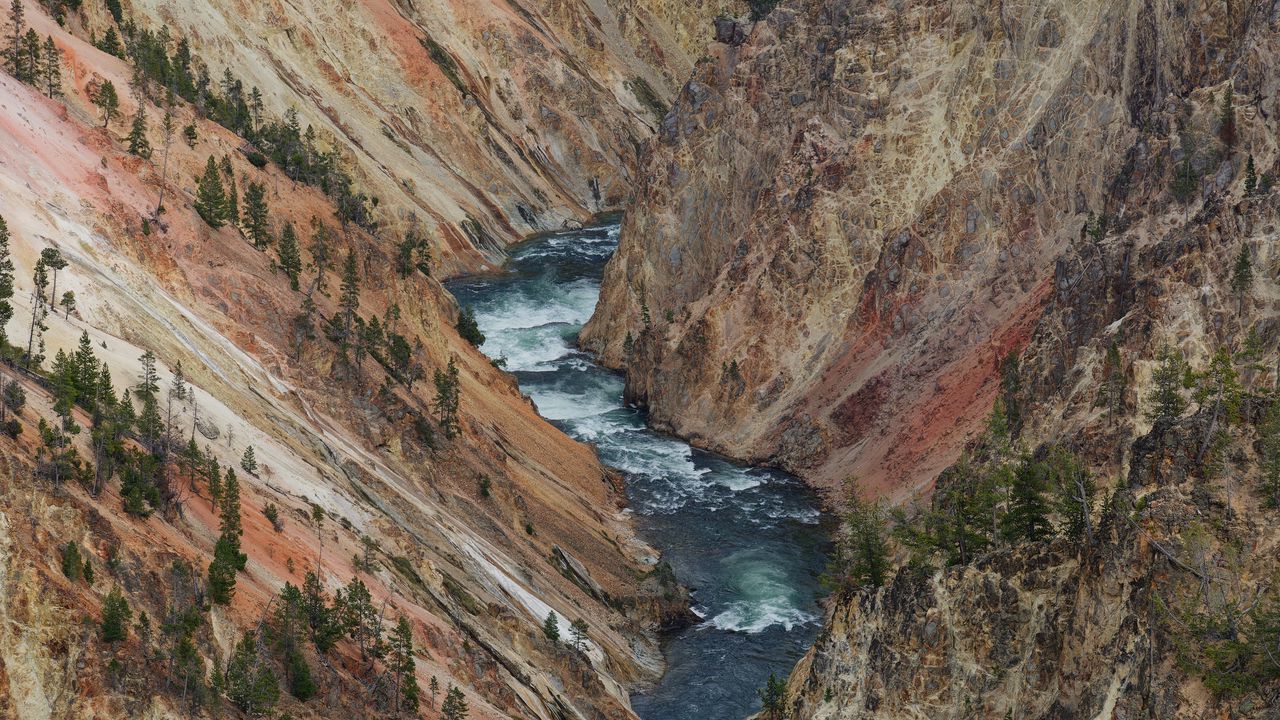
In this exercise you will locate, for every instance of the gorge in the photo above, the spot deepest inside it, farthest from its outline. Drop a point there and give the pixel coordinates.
(657, 359)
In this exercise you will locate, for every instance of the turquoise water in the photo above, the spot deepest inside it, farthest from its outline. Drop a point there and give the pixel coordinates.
(747, 541)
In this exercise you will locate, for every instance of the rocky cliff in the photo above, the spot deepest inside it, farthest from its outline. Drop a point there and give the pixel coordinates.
(487, 121)
(856, 211)
(483, 120)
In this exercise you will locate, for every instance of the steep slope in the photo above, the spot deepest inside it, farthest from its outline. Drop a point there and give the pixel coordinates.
(473, 539)
(867, 224)
(849, 220)
(486, 120)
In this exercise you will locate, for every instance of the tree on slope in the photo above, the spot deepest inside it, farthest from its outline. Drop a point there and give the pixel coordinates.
(211, 198)
(107, 100)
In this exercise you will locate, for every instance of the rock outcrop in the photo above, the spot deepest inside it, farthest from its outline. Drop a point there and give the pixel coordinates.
(848, 222)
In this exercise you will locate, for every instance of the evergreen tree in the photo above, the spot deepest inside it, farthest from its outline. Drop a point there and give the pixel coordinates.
(255, 215)
(861, 555)
(1250, 177)
(448, 400)
(248, 462)
(138, 143)
(117, 13)
(290, 257)
(227, 556)
(321, 250)
(1114, 382)
(578, 634)
(454, 706)
(401, 663)
(1075, 492)
(233, 195)
(115, 617)
(1219, 392)
(468, 328)
(551, 627)
(349, 300)
(13, 41)
(167, 127)
(72, 563)
(1270, 456)
(773, 698)
(6, 284)
(1027, 516)
(190, 135)
(30, 65)
(211, 198)
(107, 100)
(1185, 181)
(249, 682)
(1242, 276)
(51, 69)
(326, 628)
(1227, 118)
(111, 44)
(1166, 400)
(361, 618)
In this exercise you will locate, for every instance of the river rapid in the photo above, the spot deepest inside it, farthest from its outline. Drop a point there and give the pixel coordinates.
(749, 542)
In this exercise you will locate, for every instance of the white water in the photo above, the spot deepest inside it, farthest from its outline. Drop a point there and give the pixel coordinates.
(745, 540)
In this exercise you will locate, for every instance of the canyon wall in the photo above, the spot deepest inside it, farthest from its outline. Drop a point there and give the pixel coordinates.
(863, 224)
(855, 212)
(459, 113)
(486, 121)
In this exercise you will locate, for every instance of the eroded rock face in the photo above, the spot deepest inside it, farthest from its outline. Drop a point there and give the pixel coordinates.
(488, 120)
(847, 222)
(1063, 629)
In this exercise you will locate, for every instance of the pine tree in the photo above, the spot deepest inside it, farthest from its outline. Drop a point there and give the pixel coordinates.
(167, 127)
(255, 215)
(551, 627)
(290, 257)
(401, 663)
(321, 251)
(233, 195)
(211, 198)
(578, 634)
(72, 563)
(1242, 276)
(773, 698)
(1027, 516)
(108, 101)
(349, 300)
(1075, 491)
(248, 462)
(250, 683)
(861, 557)
(227, 556)
(1270, 456)
(1250, 178)
(454, 706)
(1166, 400)
(190, 135)
(138, 143)
(29, 62)
(115, 617)
(111, 44)
(6, 284)
(468, 328)
(326, 627)
(361, 618)
(51, 69)
(1227, 118)
(447, 400)
(1111, 392)
(13, 42)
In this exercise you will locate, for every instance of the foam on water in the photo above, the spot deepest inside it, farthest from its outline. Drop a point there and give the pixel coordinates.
(734, 534)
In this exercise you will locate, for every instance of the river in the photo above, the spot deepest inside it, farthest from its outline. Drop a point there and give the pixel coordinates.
(747, 541)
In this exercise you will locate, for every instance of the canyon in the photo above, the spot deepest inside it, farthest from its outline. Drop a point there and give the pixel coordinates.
(860, 240)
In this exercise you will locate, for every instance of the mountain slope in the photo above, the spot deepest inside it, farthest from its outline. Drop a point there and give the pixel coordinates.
(474, 539)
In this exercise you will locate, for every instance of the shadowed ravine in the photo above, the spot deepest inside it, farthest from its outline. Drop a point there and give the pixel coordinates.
(748, 541)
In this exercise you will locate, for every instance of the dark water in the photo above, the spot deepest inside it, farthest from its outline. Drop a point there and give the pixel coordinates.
(747, 541)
